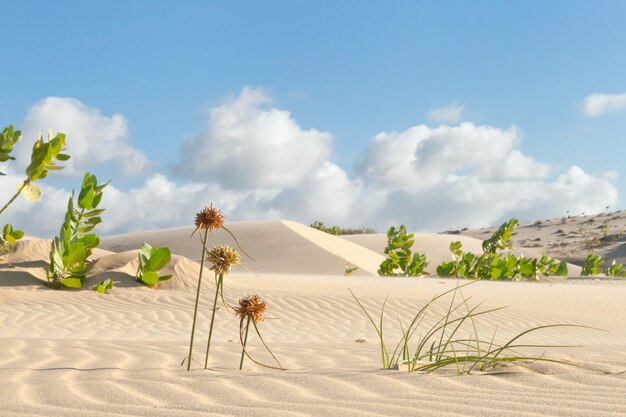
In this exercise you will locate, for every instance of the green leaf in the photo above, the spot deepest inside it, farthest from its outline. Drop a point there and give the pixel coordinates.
(164, 277)
(71, 282)
(93, 213)
(150, 277)
(160, 257)
(85, 198)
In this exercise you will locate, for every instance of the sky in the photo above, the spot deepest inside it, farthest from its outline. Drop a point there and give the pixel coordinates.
(434, 114)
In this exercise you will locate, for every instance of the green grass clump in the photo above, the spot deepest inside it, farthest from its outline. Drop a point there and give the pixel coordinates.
(428, 348)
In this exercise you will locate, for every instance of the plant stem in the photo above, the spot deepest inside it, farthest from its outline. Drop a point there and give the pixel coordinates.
(24, 184)
(245, 340)
(208, 343)
(195, 309)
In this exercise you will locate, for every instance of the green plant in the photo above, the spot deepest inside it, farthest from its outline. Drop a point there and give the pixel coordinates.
(593, 265)
(42, 160)
(336, 230)
(9, 238)
(151, 260)
(103, 286)
(8, 139)
(616, 269)
(428, 348)
(70, 250)
(320, 226)
(399, 257)
(493, 264)
(550, 266)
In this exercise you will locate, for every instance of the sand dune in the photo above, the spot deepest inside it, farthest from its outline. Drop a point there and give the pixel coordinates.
(278, 246)
(79, 353)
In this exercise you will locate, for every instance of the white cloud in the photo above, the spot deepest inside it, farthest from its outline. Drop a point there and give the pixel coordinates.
(258, 163)
(447, 114)
(249, 146)
(422, 157)
(468, 175)
(91, 138)
(597, 104)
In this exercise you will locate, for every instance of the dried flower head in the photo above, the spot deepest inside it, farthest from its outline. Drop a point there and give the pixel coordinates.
(209, 218)
(223, 257)
(251, 305)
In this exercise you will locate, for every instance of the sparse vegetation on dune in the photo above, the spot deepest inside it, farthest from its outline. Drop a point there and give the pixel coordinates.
(494, 263)
(336, 230)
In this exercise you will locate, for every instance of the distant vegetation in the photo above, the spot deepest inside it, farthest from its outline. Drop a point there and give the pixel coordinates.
(491, 264)
(336, 230)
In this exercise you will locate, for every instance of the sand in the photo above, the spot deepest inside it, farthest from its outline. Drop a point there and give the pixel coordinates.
(79, 353)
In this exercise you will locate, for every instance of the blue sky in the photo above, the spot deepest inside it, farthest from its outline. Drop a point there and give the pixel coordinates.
(348, 70)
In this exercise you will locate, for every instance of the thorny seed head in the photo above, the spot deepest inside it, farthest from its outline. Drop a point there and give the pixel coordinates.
(210, 218)
(223, 257)
(251, 305)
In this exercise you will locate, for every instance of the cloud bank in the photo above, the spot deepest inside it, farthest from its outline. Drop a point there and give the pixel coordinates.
(255, 161)
(598, 104)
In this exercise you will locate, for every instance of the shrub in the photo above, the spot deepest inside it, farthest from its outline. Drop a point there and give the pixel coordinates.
(151, 260)
(320, 226)
(336, 230)
(593, 265)
(399, 256)
(493, 264)
(616, 270)
(74, 244)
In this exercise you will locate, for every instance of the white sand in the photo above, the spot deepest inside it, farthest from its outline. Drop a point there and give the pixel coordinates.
(79, 353)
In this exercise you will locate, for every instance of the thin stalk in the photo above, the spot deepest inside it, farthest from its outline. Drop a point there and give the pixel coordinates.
(195, 309)
(208, 343)
(243, 346)
(19, 190)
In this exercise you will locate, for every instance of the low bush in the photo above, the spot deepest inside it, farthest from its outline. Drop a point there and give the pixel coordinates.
(495, 265)
(400, 260)
(151, 260)
(70, 250)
